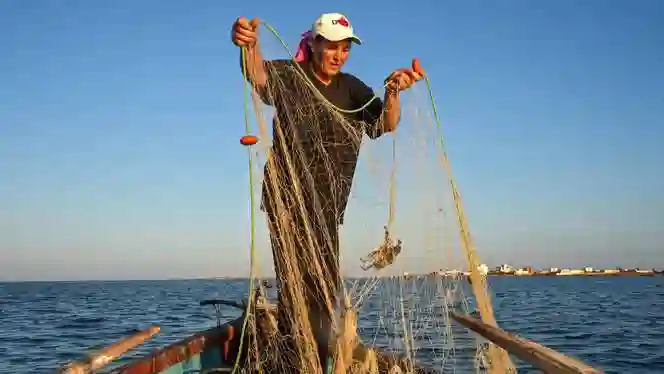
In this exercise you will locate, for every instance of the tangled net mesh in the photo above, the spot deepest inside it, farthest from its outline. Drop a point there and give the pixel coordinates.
(401, 227)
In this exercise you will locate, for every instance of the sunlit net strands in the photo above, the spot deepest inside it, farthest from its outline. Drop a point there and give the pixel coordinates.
(402, 223)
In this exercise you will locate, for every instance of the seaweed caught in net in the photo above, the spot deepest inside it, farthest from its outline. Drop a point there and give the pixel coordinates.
(384, 255)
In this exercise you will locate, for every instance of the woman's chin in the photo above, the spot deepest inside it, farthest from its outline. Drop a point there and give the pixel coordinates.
(332, 71)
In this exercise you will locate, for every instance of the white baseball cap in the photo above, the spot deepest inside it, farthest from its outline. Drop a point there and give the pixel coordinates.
(334, 27)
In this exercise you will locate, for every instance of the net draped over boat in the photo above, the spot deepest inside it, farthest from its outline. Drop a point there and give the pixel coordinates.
(403, 225)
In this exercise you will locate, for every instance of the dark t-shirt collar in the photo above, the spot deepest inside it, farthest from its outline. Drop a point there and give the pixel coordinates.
(308, 67)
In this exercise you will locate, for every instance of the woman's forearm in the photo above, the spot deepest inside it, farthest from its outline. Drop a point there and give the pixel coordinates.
(392, 112)
(256, 74)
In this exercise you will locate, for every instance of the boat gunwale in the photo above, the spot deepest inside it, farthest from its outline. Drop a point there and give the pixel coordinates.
(179, 351)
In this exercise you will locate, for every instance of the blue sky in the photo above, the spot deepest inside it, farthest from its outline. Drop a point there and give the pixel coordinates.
(119, 127)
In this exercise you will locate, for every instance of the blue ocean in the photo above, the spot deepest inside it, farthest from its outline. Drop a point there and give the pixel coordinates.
(615, 324)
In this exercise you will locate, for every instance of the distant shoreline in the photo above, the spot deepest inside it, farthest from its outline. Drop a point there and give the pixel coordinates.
(554, 274)
(593, 274)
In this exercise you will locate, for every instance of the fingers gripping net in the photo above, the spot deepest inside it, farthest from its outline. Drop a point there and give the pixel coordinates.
(398, 298)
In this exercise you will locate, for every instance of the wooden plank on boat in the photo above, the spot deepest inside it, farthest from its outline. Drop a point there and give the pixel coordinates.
(102, 358)
(543, 358)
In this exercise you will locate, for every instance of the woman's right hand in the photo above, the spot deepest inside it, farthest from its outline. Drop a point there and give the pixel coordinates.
(245, 32)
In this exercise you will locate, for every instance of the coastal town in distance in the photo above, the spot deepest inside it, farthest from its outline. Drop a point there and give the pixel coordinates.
(508, 270)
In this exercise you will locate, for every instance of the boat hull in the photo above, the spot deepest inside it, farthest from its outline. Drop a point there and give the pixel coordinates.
(216, 350)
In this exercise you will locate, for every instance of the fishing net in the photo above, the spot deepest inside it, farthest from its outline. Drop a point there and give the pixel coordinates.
(403, 225)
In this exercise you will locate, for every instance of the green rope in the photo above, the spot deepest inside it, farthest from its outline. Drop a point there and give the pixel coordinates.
(251, 174)
(252, 215)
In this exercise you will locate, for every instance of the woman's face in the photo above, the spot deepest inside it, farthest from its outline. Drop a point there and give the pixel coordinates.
(330, 56)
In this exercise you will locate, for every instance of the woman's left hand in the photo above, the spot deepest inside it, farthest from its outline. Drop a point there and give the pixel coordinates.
(402, 79)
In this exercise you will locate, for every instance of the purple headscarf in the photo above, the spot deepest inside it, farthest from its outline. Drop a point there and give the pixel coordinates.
(302, 53)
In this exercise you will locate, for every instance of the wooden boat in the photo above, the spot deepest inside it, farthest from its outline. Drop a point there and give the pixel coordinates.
(217, 349)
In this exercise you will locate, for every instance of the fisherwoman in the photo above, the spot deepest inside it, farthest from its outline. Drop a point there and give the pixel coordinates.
(322, 53)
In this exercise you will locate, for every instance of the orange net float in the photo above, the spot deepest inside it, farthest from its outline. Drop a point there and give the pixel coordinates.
(417, 67)
(248, 140)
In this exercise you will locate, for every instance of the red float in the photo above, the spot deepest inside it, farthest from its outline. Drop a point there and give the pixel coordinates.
(248, 140)
(417, 67)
